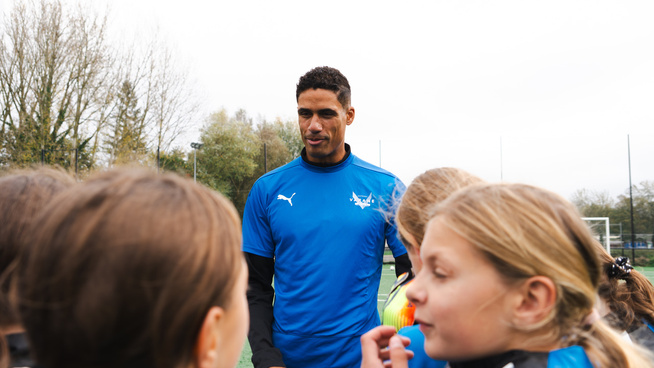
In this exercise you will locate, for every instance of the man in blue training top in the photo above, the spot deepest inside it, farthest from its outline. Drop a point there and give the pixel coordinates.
(319, 225)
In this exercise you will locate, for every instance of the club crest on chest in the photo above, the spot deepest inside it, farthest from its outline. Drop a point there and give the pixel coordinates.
(362, 201)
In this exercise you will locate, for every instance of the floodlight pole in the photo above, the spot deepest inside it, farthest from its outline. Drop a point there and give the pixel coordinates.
(195, 147)
(622, 239)
(631, 203)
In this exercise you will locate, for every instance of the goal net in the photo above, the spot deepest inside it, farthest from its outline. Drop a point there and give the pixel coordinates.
(600, 228)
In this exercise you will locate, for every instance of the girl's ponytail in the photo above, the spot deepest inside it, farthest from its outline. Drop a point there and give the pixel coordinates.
(627, 292)
(606, 348)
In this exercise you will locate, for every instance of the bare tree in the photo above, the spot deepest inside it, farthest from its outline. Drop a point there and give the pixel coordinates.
(90, 75)
(166, 103)
(17, 54)
(63, 86)
(172, 104)
(52, 61)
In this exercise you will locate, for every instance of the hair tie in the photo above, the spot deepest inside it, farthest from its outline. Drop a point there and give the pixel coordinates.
(620, 268)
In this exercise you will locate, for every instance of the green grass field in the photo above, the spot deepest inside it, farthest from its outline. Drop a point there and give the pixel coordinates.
(648, 272)
(387, 279)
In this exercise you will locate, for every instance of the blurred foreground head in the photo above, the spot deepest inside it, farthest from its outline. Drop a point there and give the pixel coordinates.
(134, 269)
(23, 194)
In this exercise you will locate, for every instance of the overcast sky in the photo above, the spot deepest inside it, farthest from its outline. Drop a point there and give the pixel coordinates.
(542, 92)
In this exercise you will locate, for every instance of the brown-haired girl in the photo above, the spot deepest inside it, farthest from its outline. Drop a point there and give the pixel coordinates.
(509, 279)
(426, 190)
(23, 193)
(134, 269)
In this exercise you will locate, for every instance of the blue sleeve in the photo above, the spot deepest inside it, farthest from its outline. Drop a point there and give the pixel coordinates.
(570, 357)
(257, 235)
(392, 239)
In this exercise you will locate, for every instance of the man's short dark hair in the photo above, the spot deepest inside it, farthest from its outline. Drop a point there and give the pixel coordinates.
(327, 78)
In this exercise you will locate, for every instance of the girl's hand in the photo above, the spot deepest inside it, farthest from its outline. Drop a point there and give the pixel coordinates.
(381, 347)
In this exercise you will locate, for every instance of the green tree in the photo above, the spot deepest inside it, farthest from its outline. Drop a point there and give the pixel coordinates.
(592, 204)
(232, 157)
(289, 133)
(126, 141)
(177, 161)
(227, 160)
(273, 152)
(643, 202)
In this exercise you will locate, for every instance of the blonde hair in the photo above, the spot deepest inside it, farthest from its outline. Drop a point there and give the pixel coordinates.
(425, 191)
(123, 270)
(525, 231)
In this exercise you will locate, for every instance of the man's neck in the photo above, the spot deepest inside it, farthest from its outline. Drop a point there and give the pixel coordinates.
(305, 158)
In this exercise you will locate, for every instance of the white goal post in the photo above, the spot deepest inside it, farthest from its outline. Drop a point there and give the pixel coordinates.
(607, 239)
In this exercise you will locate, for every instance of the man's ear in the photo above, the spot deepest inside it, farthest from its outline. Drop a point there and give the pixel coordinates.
(349, 115)
(206, 347)
(535, 301)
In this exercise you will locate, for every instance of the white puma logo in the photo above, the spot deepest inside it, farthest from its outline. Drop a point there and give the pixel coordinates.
(361, 203)
(281, 196)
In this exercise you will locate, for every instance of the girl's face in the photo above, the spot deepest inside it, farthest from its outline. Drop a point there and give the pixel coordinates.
(462, 304)
(236, 323)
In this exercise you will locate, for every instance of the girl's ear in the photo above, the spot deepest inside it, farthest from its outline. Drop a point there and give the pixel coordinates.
(206, 347)
(536, 300)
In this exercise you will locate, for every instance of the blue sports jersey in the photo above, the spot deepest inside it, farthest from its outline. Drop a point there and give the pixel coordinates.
(326, 229)
(570, 357)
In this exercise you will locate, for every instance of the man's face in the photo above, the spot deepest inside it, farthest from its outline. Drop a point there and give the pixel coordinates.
(322, 121)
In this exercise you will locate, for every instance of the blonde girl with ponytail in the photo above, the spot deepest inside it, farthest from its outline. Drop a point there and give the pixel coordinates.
(509, 279)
